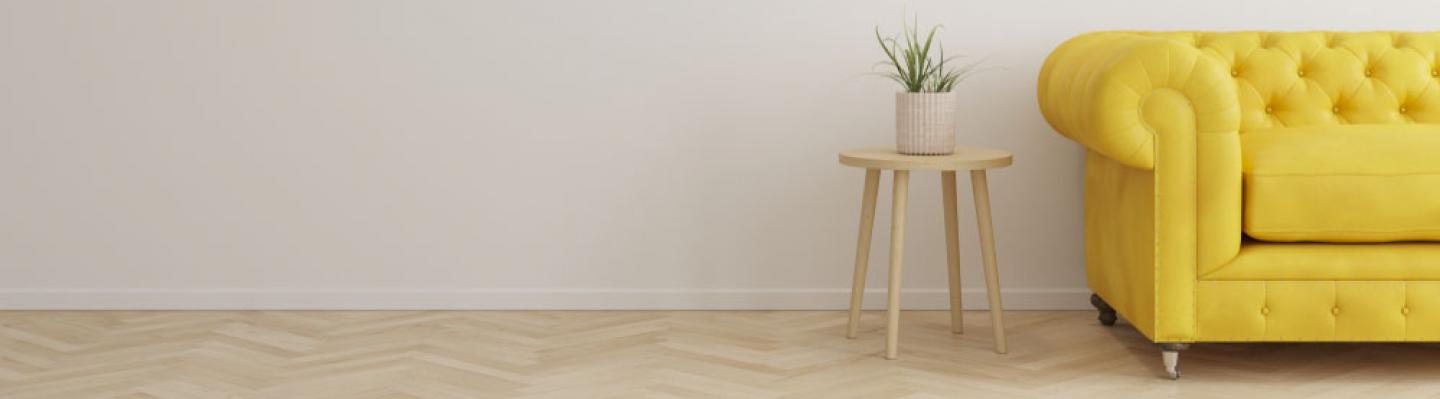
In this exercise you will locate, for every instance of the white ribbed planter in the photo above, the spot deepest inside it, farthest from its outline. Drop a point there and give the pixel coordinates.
(925, 123)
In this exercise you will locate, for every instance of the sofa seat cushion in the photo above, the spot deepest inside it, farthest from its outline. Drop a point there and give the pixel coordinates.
(1342, 183)
(1275, 261)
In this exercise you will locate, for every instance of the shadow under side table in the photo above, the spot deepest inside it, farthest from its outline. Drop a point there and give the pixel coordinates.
(975, 160)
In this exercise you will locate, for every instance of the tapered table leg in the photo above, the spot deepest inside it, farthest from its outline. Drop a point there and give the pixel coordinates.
(981, 189)
(900, 199)
(862, 248)
(952, 250)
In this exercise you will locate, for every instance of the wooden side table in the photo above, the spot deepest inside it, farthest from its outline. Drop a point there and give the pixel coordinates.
(975, 160)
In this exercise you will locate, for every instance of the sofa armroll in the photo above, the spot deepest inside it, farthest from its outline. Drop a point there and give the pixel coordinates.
(1099, 90)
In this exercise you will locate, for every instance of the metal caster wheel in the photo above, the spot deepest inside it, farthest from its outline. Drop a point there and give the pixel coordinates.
(1170, 354)
(1172, 365)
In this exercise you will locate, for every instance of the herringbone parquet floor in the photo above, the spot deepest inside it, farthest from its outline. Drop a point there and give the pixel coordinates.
(460, 354)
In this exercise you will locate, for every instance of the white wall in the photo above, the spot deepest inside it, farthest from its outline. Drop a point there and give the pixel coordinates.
(522, 154)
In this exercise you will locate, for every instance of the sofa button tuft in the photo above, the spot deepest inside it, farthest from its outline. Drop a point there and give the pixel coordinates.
(1301, 73)
(1335, 310)
(1369, 73)
(1435, 72)
(1264, 310)
(1405, 310)
(1234, 72)
(1269, 109)
(1335, 110)
(1404, 110)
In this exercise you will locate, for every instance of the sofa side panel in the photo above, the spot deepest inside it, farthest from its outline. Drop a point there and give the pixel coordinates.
(1120, 238)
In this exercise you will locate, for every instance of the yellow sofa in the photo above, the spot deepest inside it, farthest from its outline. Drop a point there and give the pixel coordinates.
(1254, 186)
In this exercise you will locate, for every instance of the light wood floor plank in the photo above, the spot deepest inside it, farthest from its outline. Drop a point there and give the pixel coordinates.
(660, 354)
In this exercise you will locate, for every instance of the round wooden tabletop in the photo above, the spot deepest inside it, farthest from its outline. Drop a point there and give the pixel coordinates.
(964, 158)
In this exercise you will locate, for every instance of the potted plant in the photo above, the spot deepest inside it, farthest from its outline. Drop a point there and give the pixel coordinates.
(926, 111)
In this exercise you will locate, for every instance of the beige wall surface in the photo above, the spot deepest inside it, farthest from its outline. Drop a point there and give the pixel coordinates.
(524, 154)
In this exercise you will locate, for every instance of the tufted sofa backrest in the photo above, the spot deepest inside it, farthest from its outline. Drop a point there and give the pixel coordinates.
(1327, 78)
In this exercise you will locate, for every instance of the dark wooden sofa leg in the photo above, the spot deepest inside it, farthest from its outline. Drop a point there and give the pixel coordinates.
(1107, 313)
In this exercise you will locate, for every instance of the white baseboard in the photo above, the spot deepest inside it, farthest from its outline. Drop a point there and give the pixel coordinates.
(532, 299)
